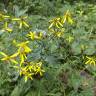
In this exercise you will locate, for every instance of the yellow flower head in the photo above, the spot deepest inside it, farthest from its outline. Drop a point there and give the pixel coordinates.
(9, 58)
(59, 34)
(6, 28)
(23, 50)
(39, 35)
(25, 72)
(90, 60)
(23, 47)
(30, 69)
(67, 17)
(3, 17)
(35, 67)
(33, 35)
(56, 22)
(38, 68)
(70, 39)
(21, 21)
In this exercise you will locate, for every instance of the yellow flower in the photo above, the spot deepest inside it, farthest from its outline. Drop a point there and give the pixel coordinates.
(28, 76)
(6, 28)
(83, 47)
(67, 17)
(23, 50)
(39, 35)
(56, 22)
(90, 60)
(70, 39)
(9, 58)
(35, 67)
(3, 17)
(25, 72)
(58, 34)
(33, 35)
(21, 21)
(30, 69)
(23, 47)
(38, 69)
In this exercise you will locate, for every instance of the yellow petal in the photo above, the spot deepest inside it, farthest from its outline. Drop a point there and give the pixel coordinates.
(70, 20)
(17, 67)
(87, 62)
(25, 24)
(14, 61)
(88, 57)
(6, 25)
(93, 62)
(22, 59)
(31, 35)
(26, 78)
(9, 29)
(26, 42)
(64, 20)
(59, 34)
(4, 59)
(2, 53)
(57, 25)
(16, 19)
(27, 49)
(20, 26)
(5, 16)
(60, 24)
(14, 55)
(51, 25)
(41, 74)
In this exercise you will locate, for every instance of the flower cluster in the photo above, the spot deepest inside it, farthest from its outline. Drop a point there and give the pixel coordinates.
(21, 21)
(90, 60)
(7, 22)
(30, 69)
(9, 58)
(20, 56)
(57, 24)
(22, 52)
